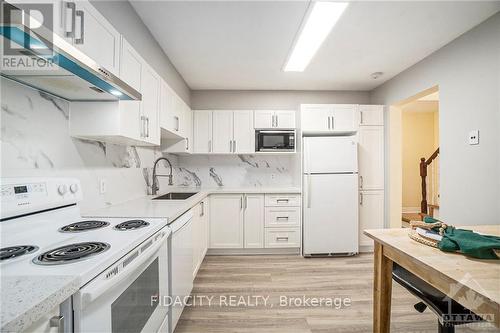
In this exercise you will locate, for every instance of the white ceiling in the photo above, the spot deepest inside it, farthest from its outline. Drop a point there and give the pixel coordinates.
(244, 44)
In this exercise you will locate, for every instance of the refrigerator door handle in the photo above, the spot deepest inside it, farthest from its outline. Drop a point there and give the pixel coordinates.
(309, 191)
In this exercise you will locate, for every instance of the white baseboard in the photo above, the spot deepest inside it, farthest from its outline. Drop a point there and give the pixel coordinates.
(233, 252)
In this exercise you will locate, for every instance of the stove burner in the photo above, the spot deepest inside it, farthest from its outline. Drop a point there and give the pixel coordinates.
(16, 251)
(131, 225)
(83, 226)
(71, 253)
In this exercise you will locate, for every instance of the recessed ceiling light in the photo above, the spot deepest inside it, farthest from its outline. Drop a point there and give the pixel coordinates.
(321, 17)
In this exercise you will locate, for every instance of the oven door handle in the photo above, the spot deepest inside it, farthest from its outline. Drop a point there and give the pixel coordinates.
(144, 259)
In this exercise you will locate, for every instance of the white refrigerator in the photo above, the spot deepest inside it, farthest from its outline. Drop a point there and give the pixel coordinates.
(330, 200)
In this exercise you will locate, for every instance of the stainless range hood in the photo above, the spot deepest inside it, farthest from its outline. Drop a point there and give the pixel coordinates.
(43, 60)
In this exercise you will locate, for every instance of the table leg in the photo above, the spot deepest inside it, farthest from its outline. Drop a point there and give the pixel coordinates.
(382, 291)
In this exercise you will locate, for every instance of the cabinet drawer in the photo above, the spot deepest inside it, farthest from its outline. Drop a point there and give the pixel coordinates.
(278, 200)
(281, 237)
(282, 216)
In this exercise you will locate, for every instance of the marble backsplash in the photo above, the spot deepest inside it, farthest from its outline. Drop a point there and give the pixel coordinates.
(35, 141)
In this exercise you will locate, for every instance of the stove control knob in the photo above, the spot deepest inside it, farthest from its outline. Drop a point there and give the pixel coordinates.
(73, 188)
(62, 189)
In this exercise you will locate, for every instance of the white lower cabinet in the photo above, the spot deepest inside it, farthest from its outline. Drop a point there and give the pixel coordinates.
(371, 214)
(226, 221)
(282, 237)
(254, 220)
(200, 234)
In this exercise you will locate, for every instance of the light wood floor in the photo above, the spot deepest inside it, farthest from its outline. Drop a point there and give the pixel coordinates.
(295, 276)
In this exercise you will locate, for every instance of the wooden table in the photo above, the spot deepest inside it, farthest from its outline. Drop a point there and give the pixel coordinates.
(471, 282)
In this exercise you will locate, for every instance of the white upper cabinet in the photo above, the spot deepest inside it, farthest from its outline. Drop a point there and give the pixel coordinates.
(130, 65)
(243, 132)
(150, 105)
(279, 119)
(185, 125)
(96, 37)
(202, 131)
(371, 157)
(222, 138)
(333, 118)
(371, 115)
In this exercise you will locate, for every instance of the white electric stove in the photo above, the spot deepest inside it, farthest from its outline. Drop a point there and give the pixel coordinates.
(119, 262)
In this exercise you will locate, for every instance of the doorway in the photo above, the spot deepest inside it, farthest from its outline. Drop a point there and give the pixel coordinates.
(413, 139)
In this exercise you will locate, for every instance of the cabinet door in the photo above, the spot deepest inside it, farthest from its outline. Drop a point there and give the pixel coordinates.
(263, 118)
(222, 132)
(342, 118)
(202, 131)
(371, 157)
(96, 37)
(226, 221)
(371, 213)
(285, 119)
(243, 132)
(150, 104)
(315, 118)
(371, 115)
(254, 220)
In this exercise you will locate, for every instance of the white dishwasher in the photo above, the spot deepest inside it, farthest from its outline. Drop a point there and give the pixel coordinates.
(182, 263)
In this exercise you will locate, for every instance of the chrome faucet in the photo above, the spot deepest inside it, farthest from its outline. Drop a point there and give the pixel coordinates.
(155, 187)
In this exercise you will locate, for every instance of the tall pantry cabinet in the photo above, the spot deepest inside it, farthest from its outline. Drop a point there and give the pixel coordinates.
(371, 171)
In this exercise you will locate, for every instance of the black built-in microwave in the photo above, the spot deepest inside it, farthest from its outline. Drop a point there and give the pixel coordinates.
(274, 140)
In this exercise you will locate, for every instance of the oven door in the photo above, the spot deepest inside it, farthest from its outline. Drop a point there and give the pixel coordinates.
(127, 296)
(274, 141)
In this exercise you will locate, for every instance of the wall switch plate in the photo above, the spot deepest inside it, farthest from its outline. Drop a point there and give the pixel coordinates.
(102, 186)
(474, 137)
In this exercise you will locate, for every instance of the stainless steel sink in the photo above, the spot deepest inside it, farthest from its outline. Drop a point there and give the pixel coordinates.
(175, 196)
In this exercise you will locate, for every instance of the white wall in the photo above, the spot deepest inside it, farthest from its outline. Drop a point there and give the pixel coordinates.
(468, 74)
(124, 18)
(275, 99)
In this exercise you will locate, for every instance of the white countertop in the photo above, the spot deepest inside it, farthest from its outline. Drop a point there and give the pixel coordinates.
(145, 207)
(25, 299)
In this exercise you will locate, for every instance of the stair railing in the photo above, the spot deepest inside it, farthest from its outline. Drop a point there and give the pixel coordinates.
(424, 164)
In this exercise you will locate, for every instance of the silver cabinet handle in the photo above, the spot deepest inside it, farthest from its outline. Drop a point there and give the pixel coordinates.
(361, 117)
(57, 321)
(241, 202)
(361, 181)
(142, 127)
(361, 198)
(282, 200)
(277, 120)
(187, 143)
(333, 122)
(72, 6)
(246, 202)
(209, 146)
(202, 204)
(177, 123)
(147, 127)
(81, 14)
(283, 238)
(234, 146)
(230, 146)
(282, 218)
(329, 126)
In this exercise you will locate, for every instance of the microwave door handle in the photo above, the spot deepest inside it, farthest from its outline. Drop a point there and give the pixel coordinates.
(105, 286)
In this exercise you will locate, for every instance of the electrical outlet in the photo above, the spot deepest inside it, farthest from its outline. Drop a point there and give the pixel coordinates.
(474, 137)
(102, 186)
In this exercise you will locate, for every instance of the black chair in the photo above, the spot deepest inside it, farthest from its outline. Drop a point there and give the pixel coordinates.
(449, 312)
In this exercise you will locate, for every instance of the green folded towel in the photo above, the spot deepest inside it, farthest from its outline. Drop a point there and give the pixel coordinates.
(468, 242)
